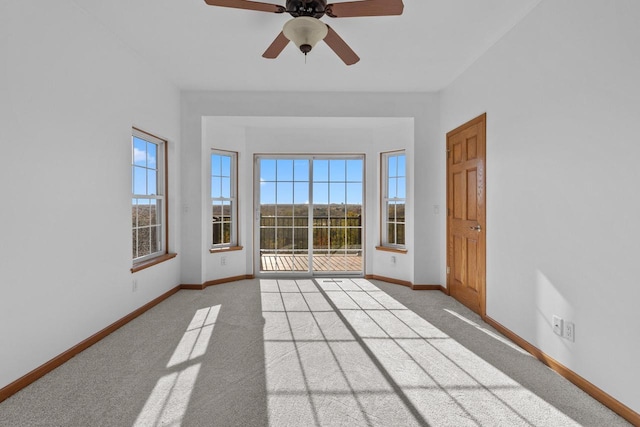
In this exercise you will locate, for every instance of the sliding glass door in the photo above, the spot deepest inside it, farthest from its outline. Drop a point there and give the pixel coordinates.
(309, 216)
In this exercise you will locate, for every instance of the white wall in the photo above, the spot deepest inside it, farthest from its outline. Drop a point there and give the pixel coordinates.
(69, 95)
(562, 96)
(424, 263)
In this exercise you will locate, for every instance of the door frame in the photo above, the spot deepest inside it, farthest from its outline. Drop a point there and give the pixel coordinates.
(256, 214)
(481, 120)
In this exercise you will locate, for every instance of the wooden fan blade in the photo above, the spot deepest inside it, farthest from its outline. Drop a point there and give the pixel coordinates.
(341, 48)
(352, 9)
(276, 47)
(245, 4)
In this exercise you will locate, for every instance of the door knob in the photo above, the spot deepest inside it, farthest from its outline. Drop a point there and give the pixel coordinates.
(477, 228)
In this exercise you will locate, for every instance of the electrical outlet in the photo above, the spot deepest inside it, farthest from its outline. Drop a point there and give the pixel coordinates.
(570, 331)
(557, 325)
(393, 259)
(223, 260)
(134, 285)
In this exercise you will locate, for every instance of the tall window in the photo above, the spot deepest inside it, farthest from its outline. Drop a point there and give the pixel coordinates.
(223, 199)
(148, 201)
(394, 199)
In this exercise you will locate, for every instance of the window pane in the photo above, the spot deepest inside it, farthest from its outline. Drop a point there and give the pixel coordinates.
(392, 166)
(301, 170)
(226, 165)
(216, 211)
(301, 238)
(354, 238)
(402, 190)
(226, 187)
(402, 169)
(267, 170)
(135, 243)
(321, 170)
(216, 165)
(217, 233)
(391, 212)
(154, 244)
(226, 232)
(152, 180)
(320, 193)
(320, 238)
(400, 234)
(216, 187)
(284, 239)
(337, 193)
(144, 213)
(320, 215)
(285, 170)
(227, 210)
(391, 233)
(337, 170)
(392, 186)
(301, 213)
(267, 215)
(354, 215)
(285, 193)
(152, 155)
(400, 208)
(144, 246)
(354, 170)
(301, 193)
(139, 152)
(153, 212)
(338, 238)
(134, 212)
(267, 193)
(139, 180)
(354, 194)
(268, 238)
(338, 212)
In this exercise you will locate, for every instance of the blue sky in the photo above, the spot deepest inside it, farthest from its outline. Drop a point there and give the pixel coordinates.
(286, 181)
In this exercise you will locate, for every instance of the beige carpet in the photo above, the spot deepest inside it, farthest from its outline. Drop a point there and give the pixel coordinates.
(333, 352)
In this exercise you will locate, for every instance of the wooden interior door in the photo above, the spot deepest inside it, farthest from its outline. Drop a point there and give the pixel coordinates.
(466, 214)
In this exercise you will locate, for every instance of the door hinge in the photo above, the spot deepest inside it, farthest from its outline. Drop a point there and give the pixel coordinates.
(448, 270)
(448, 152)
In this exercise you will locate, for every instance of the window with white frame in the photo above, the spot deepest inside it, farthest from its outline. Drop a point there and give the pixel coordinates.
(148, 206)
(394, 199)
(223, 199)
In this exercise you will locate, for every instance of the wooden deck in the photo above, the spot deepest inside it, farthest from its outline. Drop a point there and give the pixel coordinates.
(321, 262)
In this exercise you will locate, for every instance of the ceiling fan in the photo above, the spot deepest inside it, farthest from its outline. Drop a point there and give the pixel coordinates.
(306, 29)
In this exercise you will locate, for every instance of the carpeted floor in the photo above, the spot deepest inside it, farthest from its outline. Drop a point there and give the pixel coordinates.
(324, 352)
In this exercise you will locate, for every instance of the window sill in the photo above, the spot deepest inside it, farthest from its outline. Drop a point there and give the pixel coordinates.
(152, 262)
(390, 249)
(225, 249)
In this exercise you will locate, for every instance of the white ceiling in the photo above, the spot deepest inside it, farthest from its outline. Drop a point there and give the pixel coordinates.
(201, 47)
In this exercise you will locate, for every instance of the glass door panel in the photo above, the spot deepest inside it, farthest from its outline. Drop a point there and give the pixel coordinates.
(284, 215)
(337, 215)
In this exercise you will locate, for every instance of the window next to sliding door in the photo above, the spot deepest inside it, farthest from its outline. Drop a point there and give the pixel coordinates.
(394, 199)
(224, 200)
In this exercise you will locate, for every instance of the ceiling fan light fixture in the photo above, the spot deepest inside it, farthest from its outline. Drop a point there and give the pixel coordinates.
(305, 32)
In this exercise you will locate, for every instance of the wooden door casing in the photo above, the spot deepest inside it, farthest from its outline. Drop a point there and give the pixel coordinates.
(466, 214)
